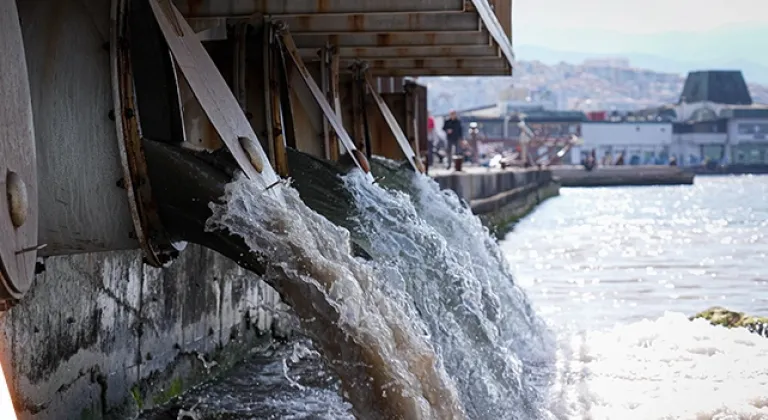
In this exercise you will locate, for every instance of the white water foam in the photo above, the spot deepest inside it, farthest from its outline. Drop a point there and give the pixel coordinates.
(369, 334)
(669, 368)
(434, 250)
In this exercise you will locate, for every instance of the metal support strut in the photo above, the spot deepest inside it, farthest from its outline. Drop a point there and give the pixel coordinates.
(213, 93)
(330, 76)
(272, 85)
(397, 131)
(284, 37)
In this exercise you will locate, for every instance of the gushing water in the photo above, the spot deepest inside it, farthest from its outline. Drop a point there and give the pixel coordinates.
(369, 335)
(429, 245)
(432, 326)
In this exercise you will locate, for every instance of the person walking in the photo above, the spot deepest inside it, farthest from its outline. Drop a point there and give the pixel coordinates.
(453, 134)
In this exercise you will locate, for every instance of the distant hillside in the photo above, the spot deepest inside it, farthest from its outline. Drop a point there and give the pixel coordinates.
(605, 87)
(728, 47)
(753, 70)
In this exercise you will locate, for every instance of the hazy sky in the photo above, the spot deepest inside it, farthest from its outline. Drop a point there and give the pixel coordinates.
(532, 17)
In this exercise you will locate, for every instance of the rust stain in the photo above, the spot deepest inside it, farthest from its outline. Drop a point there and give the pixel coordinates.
(419, 64)
(356, 22)
(333, 39)
(379, 63)
(383, 40)
(460, 63)
(193, 7)
(431, 38)
(401, 52)
(303, 23)
(211, 139)
(262, 5)
(414, 21)
(323, 6)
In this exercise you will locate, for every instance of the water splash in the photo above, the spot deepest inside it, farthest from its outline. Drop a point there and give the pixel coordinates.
(430, 247)
(370, 337)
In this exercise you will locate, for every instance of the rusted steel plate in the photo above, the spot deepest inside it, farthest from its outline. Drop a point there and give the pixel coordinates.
(460, 51)
(148, 229)
(317, 93)
(384, 22)
(335, 68)
(433, 63)
(211, 90)
(392, 39)
(18, 167)
(218, 8)
(397, 131)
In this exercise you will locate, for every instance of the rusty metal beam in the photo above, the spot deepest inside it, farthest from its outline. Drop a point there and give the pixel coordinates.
(127, 85)
(440, 72)
(397, 131)
(447, 51)
(433, 63)
(392, 39)
(239, 8)
(289, 46)
(388, 22)
(330, 82)
(275, 133)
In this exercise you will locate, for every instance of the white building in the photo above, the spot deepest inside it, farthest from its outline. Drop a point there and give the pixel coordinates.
(642, 143)
(715, 120)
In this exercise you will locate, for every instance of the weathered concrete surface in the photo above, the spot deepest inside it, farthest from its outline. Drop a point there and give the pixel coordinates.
(500, 197)
(625, 175)
(102, 335)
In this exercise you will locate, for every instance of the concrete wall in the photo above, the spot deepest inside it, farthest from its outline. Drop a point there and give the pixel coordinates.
(102, 335)
(482, 184)
(501, 198)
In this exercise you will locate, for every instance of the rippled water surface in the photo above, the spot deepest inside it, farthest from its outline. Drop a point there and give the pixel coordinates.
(605, 255)
(616, 272)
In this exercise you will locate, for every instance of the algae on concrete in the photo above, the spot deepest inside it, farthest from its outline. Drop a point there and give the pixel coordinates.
(173, 390)
(718, 315)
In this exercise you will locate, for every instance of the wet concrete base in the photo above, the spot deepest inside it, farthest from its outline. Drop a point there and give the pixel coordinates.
(279, 380)
(102, 335)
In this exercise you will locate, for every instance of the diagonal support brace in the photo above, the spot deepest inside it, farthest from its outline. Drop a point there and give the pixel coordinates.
(213, 93)
(397, 131)
(286, 40)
